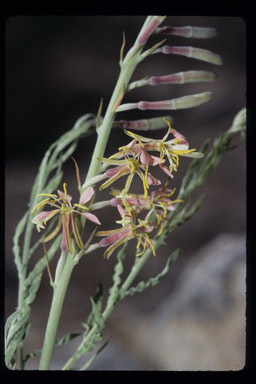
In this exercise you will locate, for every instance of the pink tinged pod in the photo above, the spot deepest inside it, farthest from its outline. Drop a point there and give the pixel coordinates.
(183, 77)
(154, 23)
(188, 31)
(179, 103)
(195, 53)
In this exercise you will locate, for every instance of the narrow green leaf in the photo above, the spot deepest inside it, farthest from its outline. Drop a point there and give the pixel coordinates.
(67, 338)
(89, 362)
(141, 286)
(33, 289)
(97, 314)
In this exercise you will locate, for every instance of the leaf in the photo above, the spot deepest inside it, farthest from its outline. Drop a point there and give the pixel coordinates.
(33, 289)
(141, 286)
(114, 292)
(16, 248)
(97, 314)
(89, 362)
(66, 338)
(16, 328)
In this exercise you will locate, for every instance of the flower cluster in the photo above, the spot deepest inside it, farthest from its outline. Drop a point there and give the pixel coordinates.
(66, 212)
(136, 158)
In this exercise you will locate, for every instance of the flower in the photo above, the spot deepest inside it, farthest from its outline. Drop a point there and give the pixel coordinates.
(129, 230)
(172, 149)
(66, 211)
(130, 164)
(157, 203)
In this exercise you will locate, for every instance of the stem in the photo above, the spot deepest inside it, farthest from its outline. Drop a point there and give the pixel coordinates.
(60, 287)
(109, 308)
(128, 66)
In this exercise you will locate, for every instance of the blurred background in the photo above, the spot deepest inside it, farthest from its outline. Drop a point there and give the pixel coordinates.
(57, 69)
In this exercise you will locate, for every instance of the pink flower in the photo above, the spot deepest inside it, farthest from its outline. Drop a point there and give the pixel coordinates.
(171, 149)
(66, 211)
(158, 203)
(129, 230)
(129, 165)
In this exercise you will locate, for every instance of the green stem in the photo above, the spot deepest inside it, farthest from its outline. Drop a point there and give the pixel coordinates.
(60, 288)
(109, 308)
(128, 66)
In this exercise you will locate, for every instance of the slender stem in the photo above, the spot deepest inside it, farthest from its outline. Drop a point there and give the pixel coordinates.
(127, 68)
(60, 288)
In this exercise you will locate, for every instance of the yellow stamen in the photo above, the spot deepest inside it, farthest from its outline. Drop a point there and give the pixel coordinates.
(127, 207)
(134, 136)
(46, 194)
(51, 215)
(151, 244)
(181, 152)
(81, 206)
(161, 229)
(76, 233)
(165, 210)
(144, 247)
(126, 149)
(39, 205)
(168, 123)
(65, 189)
(139, 242)
(54, 232)
(175, 201)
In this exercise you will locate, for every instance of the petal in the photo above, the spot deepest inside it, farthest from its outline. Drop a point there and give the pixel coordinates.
(91, 217)
(196, 155)
(152, 180)
(147, 159)
(86, 195)
(114, 238)
(121, 210)
(167, 171)
(113, 171)
(61, 194)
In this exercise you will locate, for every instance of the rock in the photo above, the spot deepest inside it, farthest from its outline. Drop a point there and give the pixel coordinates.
(201, 324)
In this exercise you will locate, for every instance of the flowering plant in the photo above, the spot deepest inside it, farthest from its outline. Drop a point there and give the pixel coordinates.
(148, 217)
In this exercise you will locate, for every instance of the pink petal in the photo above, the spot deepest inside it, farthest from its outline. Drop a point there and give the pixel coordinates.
(170, 207)
(147, 159)
(91, 217)
(166, 170)
(121, 210)
(131, 144)
(178, 135)
(44, 214)
(62, 194)
(113, 238)
(86, 195)
(152, 180)
(113, 171)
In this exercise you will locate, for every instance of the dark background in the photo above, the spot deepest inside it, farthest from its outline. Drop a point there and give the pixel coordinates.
(57, 69)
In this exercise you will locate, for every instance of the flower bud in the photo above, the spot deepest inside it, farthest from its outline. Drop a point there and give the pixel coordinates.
(144, 124)
(190, 32)
(154, 23)
(195, 53)
(179, 103)
(183, 77)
